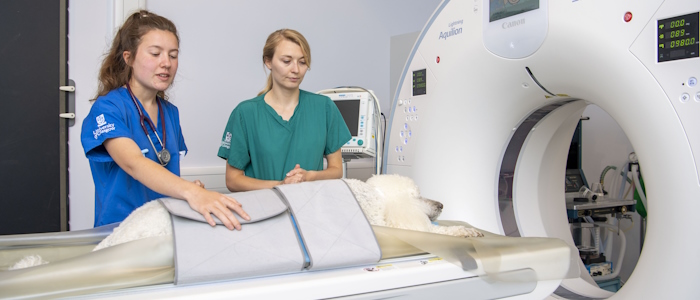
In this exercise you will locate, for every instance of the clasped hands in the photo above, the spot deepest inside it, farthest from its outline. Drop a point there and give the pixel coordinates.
(296, 175)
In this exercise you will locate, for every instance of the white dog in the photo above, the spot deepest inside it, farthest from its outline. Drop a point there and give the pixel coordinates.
(395, 201)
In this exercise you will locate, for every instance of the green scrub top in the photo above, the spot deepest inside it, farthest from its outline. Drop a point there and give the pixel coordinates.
(258, 141)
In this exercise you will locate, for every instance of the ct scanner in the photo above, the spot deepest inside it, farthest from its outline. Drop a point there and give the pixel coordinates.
(486, 109)
(484, 101)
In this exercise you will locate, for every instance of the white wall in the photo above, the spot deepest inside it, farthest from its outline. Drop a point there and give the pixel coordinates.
(221, 51)
(221, 64)
(89, 31)
(401, 46)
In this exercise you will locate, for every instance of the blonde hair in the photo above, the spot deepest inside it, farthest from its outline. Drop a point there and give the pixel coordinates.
(115, 72)
(273, 40)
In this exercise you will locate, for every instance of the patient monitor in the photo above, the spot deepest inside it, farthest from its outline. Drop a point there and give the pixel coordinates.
(360, 109)
(358, 113)
(492, 92)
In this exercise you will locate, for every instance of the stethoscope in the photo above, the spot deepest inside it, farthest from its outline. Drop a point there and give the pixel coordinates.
(163, 155)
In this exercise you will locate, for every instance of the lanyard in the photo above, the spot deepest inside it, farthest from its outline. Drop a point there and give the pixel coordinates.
(163, 155)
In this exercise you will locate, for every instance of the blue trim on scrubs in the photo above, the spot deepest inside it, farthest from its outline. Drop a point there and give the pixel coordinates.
(114, 115)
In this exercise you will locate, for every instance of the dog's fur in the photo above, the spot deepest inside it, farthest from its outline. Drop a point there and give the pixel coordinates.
(386, 200)
(149, 220)
(395, 201)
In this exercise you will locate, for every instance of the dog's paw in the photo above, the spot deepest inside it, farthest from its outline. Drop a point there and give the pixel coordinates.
(470, 232)
(458, 231)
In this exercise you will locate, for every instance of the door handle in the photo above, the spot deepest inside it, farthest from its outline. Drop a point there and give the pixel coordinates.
(70, 114)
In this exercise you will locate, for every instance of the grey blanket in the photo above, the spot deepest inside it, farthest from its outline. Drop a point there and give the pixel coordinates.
(293, 228)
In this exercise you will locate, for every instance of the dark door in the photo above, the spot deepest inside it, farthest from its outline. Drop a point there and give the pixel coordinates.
(33, 145)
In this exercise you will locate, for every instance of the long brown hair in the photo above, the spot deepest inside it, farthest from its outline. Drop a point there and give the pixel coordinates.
(273, 40)
(115, 72)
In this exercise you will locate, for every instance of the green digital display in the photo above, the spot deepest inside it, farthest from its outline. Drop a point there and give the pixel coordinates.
(419, 83)
(678, 37)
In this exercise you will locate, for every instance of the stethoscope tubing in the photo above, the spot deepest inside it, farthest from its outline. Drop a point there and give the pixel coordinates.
(142, 117)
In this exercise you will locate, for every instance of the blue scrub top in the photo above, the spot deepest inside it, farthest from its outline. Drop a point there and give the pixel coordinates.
(114, 115)
(258, 141)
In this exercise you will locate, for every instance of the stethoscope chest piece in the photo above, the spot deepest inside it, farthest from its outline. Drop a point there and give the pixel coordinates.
(163, 157)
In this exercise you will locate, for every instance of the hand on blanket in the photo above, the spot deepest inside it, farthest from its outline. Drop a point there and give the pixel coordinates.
(208, 202)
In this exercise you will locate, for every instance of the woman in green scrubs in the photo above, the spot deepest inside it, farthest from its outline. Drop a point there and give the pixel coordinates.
(282, 135)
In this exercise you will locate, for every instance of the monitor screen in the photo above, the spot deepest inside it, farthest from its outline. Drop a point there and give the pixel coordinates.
(573, 181)
(499, 9)
(350, 109)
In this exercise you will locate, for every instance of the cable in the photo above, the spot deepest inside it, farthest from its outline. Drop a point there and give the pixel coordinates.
(625, 169)
(602, 174)
(623, 247)
(613, 184)
(381, 167)
(630, 188)
(628, 228)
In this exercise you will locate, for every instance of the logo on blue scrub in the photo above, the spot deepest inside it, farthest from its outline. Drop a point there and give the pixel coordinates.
(102, 126)
(100, 120)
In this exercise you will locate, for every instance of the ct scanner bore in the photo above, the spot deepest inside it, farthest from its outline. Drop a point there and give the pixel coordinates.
(544, 66)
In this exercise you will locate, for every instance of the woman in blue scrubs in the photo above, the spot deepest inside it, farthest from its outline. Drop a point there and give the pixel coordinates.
(282, 135)
(132, 135)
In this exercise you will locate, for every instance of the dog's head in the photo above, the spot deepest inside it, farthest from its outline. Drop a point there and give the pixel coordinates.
(431, 208)
(403, 189)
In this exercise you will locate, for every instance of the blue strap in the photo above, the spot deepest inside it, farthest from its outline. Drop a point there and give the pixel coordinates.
(307, 260)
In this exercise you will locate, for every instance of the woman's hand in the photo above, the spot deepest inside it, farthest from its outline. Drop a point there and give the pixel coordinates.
(297, 175)
(333, 171)
(128, 156)
(208, 202)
